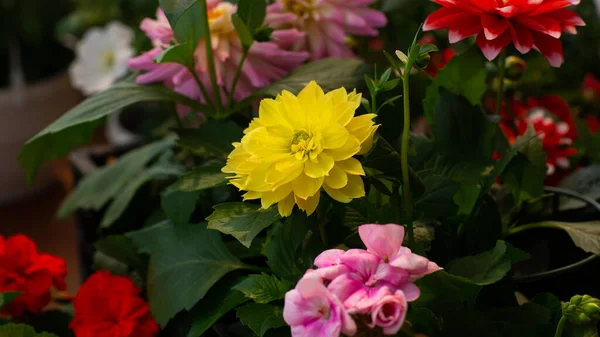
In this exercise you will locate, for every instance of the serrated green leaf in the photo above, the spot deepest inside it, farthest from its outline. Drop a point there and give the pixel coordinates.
(21, 330)
(122, 249)
(176, 54)
(483, 269)
(330, 74)
(76, 126)
(185, 262)
(214, 138)
(282, 245)
(261, 317)
(179, 206)
(243, 221)
(263, 288)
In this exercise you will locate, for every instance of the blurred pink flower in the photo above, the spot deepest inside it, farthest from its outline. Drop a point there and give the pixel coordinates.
(313, 311)
(326, 23)
(266, 62)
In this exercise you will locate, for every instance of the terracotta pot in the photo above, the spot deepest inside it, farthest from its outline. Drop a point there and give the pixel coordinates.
(24, 111)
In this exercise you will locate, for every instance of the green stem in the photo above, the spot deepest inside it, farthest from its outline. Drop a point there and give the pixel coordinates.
(238, 73)
(322, 227)
(502, 70)
(519, 229)
(406, 196)
(424, 73)
(560, 327)
(210, 59)
(202, 89)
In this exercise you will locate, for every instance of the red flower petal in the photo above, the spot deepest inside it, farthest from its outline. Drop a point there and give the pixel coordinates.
(522, 38)
(442, 18)
(491, 48)
(542, 24)
(493, 26)
(549, 47)
(465, 26)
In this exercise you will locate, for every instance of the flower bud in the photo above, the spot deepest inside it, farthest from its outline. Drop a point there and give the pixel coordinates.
(423, 60)
(576, 299)
(515, 68)
(592, 310)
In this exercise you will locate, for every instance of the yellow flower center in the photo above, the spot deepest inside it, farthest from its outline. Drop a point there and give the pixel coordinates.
(108, 59)
(298, 7)
(302, 143)
(219, 19)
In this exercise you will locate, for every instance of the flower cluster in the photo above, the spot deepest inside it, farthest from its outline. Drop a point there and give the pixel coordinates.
(108, 305)
(297, 145)
(528, 24)
(25, 270)
(551, 118)
(266, 61)
(371, 287)
(326, 25)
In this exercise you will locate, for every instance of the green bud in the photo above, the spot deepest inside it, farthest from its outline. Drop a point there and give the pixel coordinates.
(423, 60)
(583, 319)
(576, 299)
(592, 310)
(515, 68)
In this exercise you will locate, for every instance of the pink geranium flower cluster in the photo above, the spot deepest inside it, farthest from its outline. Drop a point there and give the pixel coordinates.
(371, 286)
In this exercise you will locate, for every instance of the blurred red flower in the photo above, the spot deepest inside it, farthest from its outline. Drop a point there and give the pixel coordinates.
(110, 306)
(439, 59)
(24, 269)
(528, 24)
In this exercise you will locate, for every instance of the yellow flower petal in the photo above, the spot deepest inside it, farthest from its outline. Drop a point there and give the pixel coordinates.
(270, 198)
(320, 168)
(337, 178)
(354, 189)
(351, 166)
(305, 187)
(286, 206)
(309, 205)
(361, 126)
(349, 149)
(367, 145)
(335, 136)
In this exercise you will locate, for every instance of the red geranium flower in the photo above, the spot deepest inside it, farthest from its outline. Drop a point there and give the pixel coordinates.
(25, 270)
(110, 306)
(527, 23)
(593, 124)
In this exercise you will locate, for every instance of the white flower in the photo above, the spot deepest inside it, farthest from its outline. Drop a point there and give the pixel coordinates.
(101, 57)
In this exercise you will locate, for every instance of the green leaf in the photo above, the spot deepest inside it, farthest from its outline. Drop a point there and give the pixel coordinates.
(122, 249)
(516, 255)
(185, 262)
(243, 31)
(483, 269)
(213, 138)
(201, 178)
(330, 74)
(176, 54)
(179, 206)
(252, 13)
(282, 245)
(185, 17)
(261, 317)
(163, 170)
(464, 75)
(424, 321)
(7, 297)
(98, 188)
(585, 181)
(437, 201)
(241, 220)
(221, 299)
(441, 291)
(525, 174)
(21, 330)
(585, 235)
(462, 131)
(77, 125)
(264, 288)
(550, 302)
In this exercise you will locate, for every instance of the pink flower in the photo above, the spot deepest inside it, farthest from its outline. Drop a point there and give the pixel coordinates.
(389, 313)
(313, 311)
(385, 241)
(266, 61)
(326, 23)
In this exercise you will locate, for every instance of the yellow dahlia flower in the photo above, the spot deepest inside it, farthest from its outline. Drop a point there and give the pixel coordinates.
(297, 145)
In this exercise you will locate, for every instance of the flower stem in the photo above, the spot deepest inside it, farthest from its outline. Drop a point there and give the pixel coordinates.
(202, 88)
(238, 73)
(519, 229)
(560, 327)
(209, 57)
(406, 196)
(501, 72)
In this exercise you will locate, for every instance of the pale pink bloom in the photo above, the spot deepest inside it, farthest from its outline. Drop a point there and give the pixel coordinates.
(313, 311)
(266, 61)
(389, 312)
(385, 241)
(326, 23)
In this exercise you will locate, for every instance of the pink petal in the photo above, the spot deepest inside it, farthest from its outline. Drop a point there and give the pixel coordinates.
(382, 240)
(491, 49)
